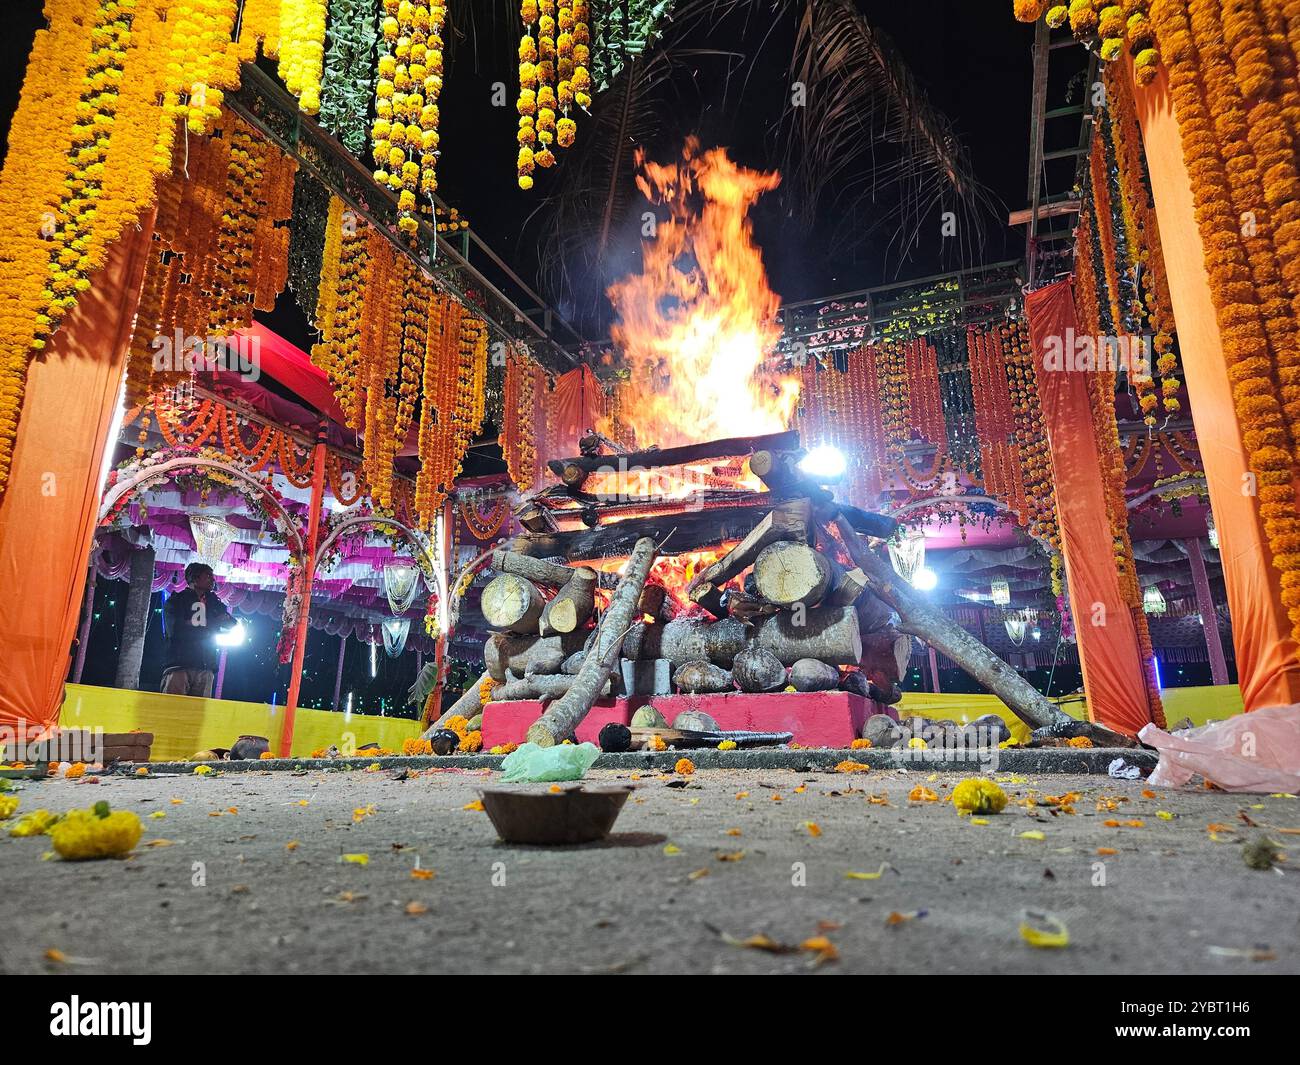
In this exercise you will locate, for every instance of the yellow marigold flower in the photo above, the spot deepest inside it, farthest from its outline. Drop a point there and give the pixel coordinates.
(979, 795)
(859, 745)
(35, 823)
(471, 742)
(96, 833)
(656, 743)
(850, 766)
(1079, 741)
(8, 804)
(684, 766)
(77, 769)
(727, 745)
(202, 770)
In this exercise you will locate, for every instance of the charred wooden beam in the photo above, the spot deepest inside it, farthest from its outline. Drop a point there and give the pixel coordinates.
(574, 471)
(786, 521)
(689, 530)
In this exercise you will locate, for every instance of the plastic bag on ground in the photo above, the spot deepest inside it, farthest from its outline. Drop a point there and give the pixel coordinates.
(1259, 751)
(564, 761)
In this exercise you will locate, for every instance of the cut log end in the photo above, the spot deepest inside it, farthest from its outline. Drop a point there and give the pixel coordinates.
(787, 572)
(512, 603)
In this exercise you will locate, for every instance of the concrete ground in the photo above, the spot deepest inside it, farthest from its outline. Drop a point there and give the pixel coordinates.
(688, 872)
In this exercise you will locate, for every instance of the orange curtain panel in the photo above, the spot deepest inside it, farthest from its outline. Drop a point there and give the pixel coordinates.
(1113, 675)
(48, 515)
(1267, 667)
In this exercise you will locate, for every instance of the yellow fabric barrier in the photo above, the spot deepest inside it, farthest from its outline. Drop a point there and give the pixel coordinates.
(1208, 703)
(183, 725)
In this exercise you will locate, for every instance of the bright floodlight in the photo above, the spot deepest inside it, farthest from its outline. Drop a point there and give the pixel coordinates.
(823, 461)
(925, 579)
(232, 637)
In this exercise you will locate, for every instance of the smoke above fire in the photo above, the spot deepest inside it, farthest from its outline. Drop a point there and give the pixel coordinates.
(697, 326)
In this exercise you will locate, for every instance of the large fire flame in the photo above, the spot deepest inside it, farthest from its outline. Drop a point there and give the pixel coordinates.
(696, 326)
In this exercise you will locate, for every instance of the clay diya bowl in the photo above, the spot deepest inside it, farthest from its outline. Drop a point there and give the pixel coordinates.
(575, 815)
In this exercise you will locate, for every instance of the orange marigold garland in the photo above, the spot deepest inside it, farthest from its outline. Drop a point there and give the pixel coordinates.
(1031, 436)
(1266, 434)
(520, 405)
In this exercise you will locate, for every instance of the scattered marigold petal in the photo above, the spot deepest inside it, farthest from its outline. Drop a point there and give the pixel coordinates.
(477, 804)
(1040, 929)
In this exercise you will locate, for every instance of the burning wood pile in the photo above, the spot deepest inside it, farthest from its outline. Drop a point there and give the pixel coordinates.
(588, 603)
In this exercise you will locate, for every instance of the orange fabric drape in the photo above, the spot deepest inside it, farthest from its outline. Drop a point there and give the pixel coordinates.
(49, 513)
(578, 403)
(1268, 669)
(1113, 675)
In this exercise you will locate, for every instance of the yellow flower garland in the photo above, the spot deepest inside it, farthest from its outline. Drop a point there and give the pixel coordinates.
(302, 54)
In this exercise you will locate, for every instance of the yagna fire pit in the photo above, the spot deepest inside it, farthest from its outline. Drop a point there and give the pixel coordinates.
(710, 577)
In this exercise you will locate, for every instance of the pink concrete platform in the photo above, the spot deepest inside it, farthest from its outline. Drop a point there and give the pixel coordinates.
(817, 719)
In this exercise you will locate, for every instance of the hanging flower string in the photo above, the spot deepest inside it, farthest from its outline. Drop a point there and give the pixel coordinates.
(405, 132)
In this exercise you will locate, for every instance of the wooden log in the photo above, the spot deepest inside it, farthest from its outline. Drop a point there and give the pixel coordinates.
(467, 706)
(580, 466)
(687, 639)
(534, 518)
(539, 570)
(827, 633)
(546, 658)
(791, 520)
(654, 603)
(885, 656)
(702, 678)
(758, 670)
(851, 585)
(787, 573)
(512, 603)
(506, 652)
(676, 532)
(810, 675)
(873, 612)
(748, 608)
(880, 526)
(779, 470)
(546, 687)
(566, 713)
(920, 619)
(572, 604)
(711, 597)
